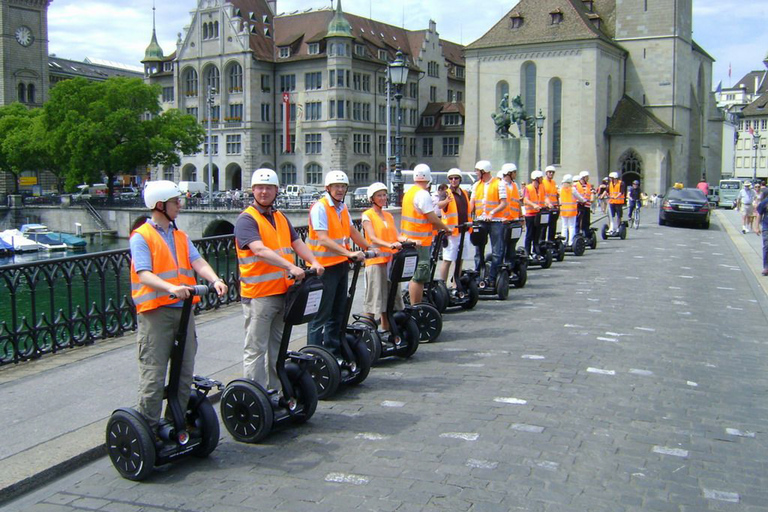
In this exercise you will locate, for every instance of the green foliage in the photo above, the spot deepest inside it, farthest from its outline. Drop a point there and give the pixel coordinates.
(21, 148)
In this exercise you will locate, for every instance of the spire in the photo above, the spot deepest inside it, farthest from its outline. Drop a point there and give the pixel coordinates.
(153, 53)
(339, 26)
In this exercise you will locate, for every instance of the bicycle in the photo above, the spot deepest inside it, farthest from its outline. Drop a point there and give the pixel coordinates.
(634, 219)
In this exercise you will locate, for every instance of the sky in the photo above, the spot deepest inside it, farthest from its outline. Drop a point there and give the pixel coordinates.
(731, 31)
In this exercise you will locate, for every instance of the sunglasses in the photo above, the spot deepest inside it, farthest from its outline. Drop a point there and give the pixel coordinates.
(454, 178)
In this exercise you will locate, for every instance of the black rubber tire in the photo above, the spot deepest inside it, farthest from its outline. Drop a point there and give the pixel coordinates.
(560, 251)
(410, 332)
(547, 259)
(306, 394)
(474, 294)
(436, 297)
(502, 284)
(593, 241)
(441, 296)
(205, 419)
(662, 222)
(362, 358)
(623, 232)
(130, 445)
(579, 246)
(604, 232)
(370, 338)
(246, 411)
(705, 225)
(324, 370)
(429, 321)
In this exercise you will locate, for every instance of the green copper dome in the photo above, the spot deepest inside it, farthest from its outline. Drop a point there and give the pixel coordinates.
(339, 26)
(153, 51)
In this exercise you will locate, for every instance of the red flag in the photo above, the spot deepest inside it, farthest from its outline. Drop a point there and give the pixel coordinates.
(729, 70)
(286, 122)
(751, 131)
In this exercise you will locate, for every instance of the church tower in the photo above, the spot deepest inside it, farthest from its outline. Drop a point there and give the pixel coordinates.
(24, 52)
(153, 55)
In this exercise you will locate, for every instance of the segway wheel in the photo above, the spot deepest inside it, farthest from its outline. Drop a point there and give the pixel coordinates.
(406, 296)
(623, 232)
(370, 338)
(579, 246)
(604, 232)
(593, 241)
(473, 292)
(522, 275)
(306, 394)
(324, 370)
(547, 259)
(130, 444)
(246, 411)
(429, 321)
(436, 298)
(362, 359)
(205, 419)
(410, 332)
(502, 284)
(560, 251)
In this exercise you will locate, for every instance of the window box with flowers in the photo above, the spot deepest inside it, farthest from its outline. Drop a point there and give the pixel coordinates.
(190, 93)
(235, 89)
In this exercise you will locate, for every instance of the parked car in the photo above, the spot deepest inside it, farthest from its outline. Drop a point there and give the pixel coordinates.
(360, 197)
(687, 205)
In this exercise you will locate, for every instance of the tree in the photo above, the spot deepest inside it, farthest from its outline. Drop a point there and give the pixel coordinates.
(113, 127)
(22, 140)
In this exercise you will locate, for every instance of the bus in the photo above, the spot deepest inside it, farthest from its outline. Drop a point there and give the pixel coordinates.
(728, 191)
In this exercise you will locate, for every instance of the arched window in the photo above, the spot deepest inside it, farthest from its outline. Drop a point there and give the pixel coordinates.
(288, 174)
(215, 29)
(235, 78)
(190, 82)
(313, 174)
(630, 162)
(205, 31)
(212, 78)
(528, 86)
(31, 93)
(381, 173)
(362, 174)
(22, 93)
(556, 114)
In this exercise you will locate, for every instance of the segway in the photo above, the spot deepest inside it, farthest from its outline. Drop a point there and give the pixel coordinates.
(556, 246)
(541, 255)
(500, 286)
(428, 312)
(606, 233)
(132, 445)
(353, 363)
(466, 293)
(249, 411)
(518, 262)
(578, 246)
(403, 339)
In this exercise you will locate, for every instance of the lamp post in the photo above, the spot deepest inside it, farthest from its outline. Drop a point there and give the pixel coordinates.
(209, 102)
(756, 142)
(398, 76)
(540, 127)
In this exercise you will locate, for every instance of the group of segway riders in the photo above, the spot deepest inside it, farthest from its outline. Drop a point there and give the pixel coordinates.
(279, 386)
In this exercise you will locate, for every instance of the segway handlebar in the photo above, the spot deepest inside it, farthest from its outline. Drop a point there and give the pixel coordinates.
(310, 272)
(198, 289)
(409, 243)
(366, 255)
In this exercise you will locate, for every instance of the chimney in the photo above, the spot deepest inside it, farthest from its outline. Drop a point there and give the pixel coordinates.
(432, 26)
(272, 6)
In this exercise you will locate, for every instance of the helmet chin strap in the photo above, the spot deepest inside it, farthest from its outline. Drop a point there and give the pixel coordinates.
(170, 220)
(264, 205)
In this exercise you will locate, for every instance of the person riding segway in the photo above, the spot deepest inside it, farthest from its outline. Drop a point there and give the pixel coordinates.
(569, 199)
(583, 220)
(616, 197)
(455, 213)
(550, 190)
(536, 222)
(514, 258)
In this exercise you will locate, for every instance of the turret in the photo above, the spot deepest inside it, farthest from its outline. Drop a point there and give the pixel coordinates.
(153, 55)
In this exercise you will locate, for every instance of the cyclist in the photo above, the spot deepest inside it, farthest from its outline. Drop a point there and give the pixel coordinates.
(617, 192)
(634, 195)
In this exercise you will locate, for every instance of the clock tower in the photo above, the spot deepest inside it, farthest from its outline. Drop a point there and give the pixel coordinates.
(24, 52)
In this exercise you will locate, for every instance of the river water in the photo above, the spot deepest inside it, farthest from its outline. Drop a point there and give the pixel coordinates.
(107, 244)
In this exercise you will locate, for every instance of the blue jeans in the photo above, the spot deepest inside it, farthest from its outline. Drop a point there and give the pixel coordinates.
(496, 231)
(326, 328)
(765, 247)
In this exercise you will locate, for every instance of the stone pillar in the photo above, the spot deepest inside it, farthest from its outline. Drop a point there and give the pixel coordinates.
(339, 151)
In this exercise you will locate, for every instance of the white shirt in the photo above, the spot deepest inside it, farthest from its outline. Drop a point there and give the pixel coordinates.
(423, 202)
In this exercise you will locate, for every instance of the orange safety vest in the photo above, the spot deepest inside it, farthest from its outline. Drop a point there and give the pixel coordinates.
(479, 198)
(164, 266)
(385, 230)
(413, 223)
(492, 199)
(451, 216)
(615, 195)
(338, 231)
(567, 202)
(257, 277)
(586, 191)
(535, 197)
(550, 190)
(513, 202)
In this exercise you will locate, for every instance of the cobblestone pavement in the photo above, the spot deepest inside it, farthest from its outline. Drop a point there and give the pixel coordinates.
(632, 378)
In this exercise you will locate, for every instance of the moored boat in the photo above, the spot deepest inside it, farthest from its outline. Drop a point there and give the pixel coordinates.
(18, 241)
(58, 241)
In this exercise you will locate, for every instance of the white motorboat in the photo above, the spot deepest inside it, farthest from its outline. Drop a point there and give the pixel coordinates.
(18, 241)
(40, 233)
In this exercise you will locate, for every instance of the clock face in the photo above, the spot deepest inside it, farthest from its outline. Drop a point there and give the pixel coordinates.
(24, 36)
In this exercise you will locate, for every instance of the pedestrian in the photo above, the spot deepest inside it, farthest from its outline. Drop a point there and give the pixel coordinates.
(163, 267)
(744, 202)
(417, 223)
(703, 185)
(584, 187)
(455, 213)
(757, 187)
(762, 227)
(265, 242)
(330, 234)
(381, 233)
(490, 204)
(569, 198)
(602, 195)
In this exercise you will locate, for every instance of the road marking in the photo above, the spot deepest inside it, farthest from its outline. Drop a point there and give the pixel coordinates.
(717, 254)
(465, 436)
(674, 452)
(687, 277)
(574, 326)
(371, 436)
(472, 365)
(724, 288)
(454, 349)
(523, 427)
(712, 494)
(631, 277)
(639, 257)
(548, 465)
(531, 356)
(481, 464)
(734, 309)
(342, 478)
(510, 400)
(739, 433)
(710, 365)
(675, 288)
(612, 340)
(686, 268)
(392, 403)
(647, 329)
(595, 310)
(646, 373)
(601, 371)
(609, 333)
(679, 303)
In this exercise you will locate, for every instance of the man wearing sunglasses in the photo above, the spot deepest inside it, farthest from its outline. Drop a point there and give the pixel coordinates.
(455, 213)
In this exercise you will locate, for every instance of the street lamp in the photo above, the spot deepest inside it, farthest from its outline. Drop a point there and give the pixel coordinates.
(540, 126)
(209, 101)
(756, 142)
(398, 76)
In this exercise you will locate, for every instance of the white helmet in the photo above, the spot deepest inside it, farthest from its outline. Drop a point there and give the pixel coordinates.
(614, 175)
(550, 168)
(422, 172)
(376, 187)
(454, 172)
(584, 174)
(483, 165)
(334, 177)
(567, 179)
(508, 168)
(264, 177)
(500, 175)
(159, 191)
(536, 175)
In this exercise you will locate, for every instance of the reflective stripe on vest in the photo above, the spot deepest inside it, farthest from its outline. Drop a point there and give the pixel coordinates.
(257, 277)
(550, 190)
(586, 192)
(534, 197)
(492, 200)
(384, 229)
(164, 266)
(479, 198)
(414, 224)
(451, 217)
(338, 231)
(513, 202)
(567, 202)
(615, 195)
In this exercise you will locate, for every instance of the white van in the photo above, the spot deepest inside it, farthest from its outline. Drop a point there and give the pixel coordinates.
(193, 187)
(91, 191)
(438, 178)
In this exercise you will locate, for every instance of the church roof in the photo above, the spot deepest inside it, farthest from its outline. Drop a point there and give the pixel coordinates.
(339, 26)
(153, 53)
(631, 118)
(531, 22)
(759, 107)
(753, 82)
